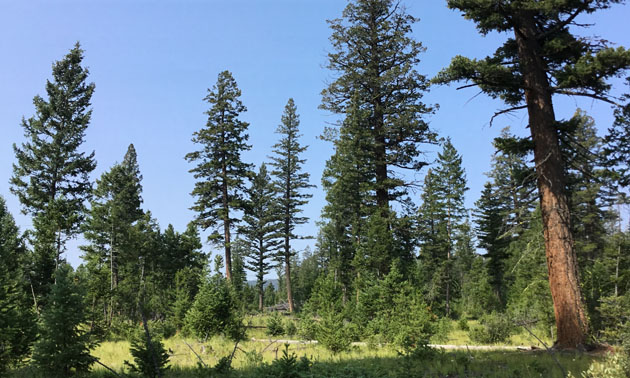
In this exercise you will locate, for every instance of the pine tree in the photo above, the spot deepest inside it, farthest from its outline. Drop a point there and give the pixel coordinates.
(64, 346)
(440, 218)
(544, 58)
(348, 180)
(375, 57)
(115, 209)
(220, 170)
(17, 321)
(261, 229)
(503, 211)
(290, 183)
(585, 178)
(51, 174)
(617, 148)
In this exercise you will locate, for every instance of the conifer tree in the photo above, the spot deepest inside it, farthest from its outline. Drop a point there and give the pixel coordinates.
(348, 180)
(375, 58)
(440, 218)
(290, 183)
(115, 209)
(502, 212)
(617, 148)
(220, 171)
(261, 228)
(17, 321)
(542, 59)
(63, 346)
(51, 174)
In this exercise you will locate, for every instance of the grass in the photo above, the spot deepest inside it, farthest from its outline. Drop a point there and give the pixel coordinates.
(260, 359)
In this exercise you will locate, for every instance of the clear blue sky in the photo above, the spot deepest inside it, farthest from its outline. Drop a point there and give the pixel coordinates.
(152, 62)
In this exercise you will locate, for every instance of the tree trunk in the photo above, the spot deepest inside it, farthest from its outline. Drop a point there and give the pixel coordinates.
(569, 311)
(226, 229)
(287, 274)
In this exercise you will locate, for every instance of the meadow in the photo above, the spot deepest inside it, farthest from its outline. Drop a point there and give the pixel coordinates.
(262, 356)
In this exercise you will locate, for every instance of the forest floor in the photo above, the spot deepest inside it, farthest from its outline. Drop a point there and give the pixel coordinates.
(262, 356)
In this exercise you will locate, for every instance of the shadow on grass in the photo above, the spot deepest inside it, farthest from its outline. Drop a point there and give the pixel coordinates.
(427, 363)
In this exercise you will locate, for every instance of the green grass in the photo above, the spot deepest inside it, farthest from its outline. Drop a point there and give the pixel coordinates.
(256, 359)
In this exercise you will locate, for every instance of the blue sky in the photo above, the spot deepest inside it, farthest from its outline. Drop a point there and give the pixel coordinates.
(152, 62)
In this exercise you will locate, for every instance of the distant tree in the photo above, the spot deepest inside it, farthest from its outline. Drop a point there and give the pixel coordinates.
(617, 148)
(290, 182)
(375, 59)
(51, 174)
(544, 58)
(63, 346)
(220, 170)
(261, 229)
(17, 320)
(115, 208)
(187, 282)
(441, 217)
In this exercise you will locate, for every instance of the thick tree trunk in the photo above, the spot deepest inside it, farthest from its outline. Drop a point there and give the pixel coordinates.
(571, 320)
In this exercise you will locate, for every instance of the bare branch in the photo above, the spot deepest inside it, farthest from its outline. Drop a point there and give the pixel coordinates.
(504, 111)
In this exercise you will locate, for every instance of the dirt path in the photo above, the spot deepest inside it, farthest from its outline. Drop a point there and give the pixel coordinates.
(437, 346)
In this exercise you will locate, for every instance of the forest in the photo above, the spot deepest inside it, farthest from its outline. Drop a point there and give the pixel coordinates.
(404, 279)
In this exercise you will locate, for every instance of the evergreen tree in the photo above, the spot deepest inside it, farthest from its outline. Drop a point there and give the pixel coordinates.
(220, 170)
(441, 217)
(617, 148)
(261, 229)
(375, 57)
(215, 310)
(544, 58)
(582, 150)
(115, 209)
(502, 212)
(51, 174)
(63, 347)
(348, 180)
(17, 322)
(290, 183)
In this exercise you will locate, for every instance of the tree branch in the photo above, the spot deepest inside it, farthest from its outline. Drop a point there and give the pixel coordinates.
(504, 111)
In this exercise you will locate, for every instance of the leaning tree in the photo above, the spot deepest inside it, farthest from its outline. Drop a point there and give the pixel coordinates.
(544, 57)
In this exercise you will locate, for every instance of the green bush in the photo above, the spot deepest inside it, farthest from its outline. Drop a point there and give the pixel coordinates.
(150, 358)
(307, 327)
(462, 323)
(215, 311)
(287, 366)
(290, 328)
(494, 328)
(274, 325)
(165, 329)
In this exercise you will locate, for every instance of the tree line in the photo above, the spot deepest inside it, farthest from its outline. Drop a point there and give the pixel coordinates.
(556, 254)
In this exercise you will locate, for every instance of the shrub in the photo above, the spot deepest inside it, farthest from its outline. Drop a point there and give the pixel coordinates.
(149, 356)
(164, 329)
(462, 323)
(63, 347)
(494, 328)
(287, 366)
(307, 327)
(215, 311)
(274, 325)
(290, 328)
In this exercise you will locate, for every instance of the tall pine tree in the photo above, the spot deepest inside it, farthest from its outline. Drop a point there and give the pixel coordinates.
(542, 59)
(261, 229)
(115, 209)
(51, 174)
(375, 58)
(290, 183)
(220, 171)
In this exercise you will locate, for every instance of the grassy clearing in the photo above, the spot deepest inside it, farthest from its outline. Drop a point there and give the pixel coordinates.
(256, 359)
